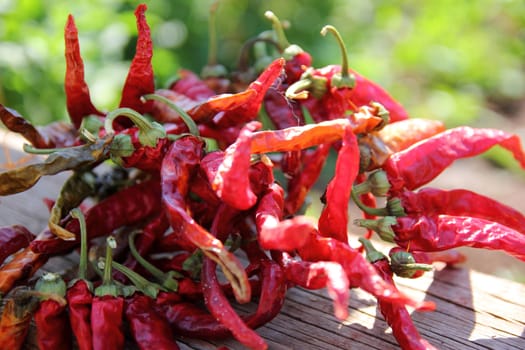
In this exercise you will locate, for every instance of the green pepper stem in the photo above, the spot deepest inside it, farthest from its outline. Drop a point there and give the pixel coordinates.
(372, 254)
(149, 132)
(33, 150)
(382, 226)
(299, 89)
(108, 287)
(51, 284)
(344, 64)
(165, 279)
(367, 209)
(190, 123)
(279, 30)
(82, 267)
(147, 287)
(212, 34)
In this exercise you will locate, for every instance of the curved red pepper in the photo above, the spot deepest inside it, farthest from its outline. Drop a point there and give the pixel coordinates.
(333, 221)
(272, 231)
(461, 202)
(425, 160)
(442, 232)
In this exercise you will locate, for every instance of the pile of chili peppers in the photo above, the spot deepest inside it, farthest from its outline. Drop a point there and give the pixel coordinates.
(182, 204)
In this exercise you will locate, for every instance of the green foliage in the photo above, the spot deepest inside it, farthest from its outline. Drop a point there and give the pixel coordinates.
(442, 59)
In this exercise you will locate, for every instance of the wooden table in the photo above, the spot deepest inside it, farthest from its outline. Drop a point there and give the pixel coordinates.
(474, 310)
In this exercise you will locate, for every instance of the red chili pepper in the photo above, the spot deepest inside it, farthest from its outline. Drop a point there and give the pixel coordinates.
(191, 85)
(79, 293)
(301, 137)
(231, 180)
(460, 202)
(147, 158)
(333, 221)
(140, 80)
(425, 160)
(339, 89)
(107, 310)
(179, 165)
(127, 207)
(22, 265)
(272, 231)
(78, 100)
(442, 232)
(80, 298)
(320, 274)
(359, 271)
(299, 186)
(12, 239)
(149, 329)
(51, 318)
(15, 320)
(396, 315)
(237, 109)
(220, 308)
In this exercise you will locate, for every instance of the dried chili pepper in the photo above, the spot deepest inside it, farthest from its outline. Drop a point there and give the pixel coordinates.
(231, 180)
(230, 110)
(78, 100)
(181, 161)
(51, 318)
(220, 308)
(396, 315)
(149, 329)
(338, 89)
(37, 137)
(140, 80)
(129, 206)
(12, 239)
(107, 309)
(423, 161)
(442, 232)
(461, 202)
(16, 318)
(22, 265)
(301, 137)
(333, 221)
(359, 271)
(272, 231)
(77, 187)
(70, 158)
(317, 275)
(79, 294)
(299, 186)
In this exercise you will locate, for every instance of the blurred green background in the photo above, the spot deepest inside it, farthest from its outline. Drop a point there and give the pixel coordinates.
(453, 60)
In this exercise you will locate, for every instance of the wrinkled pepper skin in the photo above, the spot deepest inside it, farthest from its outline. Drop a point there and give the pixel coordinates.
(149, 329)
(52, 326)
(79, 299)
(107, 315)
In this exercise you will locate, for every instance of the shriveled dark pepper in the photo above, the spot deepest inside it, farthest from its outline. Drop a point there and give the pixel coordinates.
(12, 239)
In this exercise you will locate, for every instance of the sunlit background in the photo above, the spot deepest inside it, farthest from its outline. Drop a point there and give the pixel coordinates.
(459, 61)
